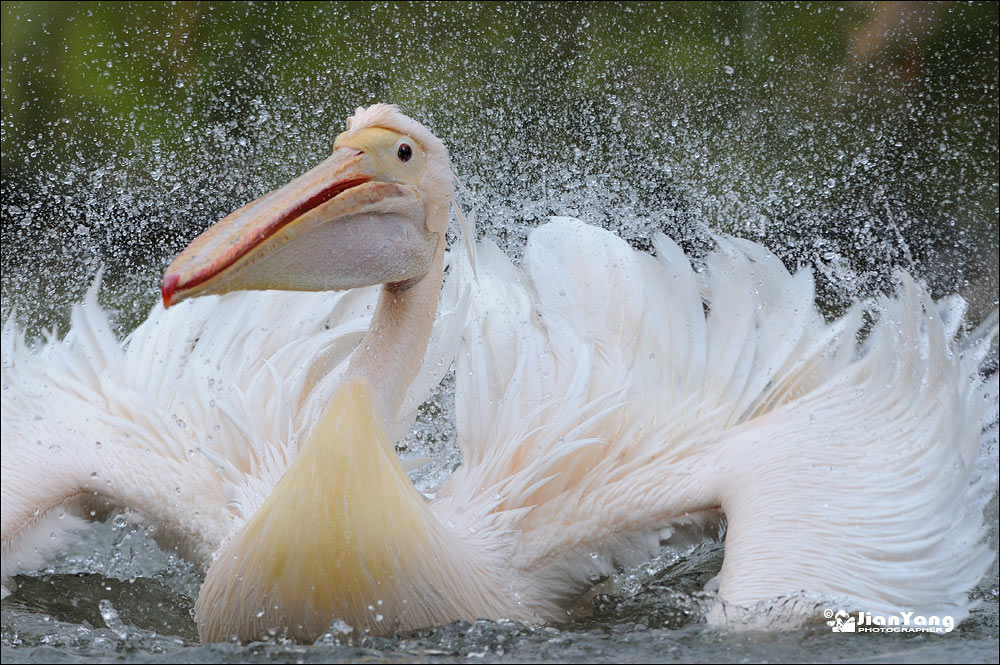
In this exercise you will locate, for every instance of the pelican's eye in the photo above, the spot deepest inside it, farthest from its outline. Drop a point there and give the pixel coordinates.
(405, 152)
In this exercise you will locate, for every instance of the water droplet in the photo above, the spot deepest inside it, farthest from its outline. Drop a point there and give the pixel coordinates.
(111, 618)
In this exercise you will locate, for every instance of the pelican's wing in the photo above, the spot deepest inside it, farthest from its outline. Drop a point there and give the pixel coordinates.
(189, 422)
(91, 424)
(600, 407)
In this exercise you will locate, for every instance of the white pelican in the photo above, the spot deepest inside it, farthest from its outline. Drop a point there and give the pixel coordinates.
(606, 399)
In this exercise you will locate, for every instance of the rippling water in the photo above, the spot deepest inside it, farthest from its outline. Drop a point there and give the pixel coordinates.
(845, 149)
(71, 616)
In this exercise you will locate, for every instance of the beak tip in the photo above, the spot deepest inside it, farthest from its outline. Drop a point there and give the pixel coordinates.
(167, 289)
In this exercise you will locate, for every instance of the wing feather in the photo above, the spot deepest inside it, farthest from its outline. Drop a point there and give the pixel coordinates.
(599, 406)
(190, 421)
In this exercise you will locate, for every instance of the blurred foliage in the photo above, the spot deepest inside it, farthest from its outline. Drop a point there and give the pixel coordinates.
(853, 137)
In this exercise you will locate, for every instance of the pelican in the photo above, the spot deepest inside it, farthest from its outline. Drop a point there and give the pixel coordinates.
(607, 401)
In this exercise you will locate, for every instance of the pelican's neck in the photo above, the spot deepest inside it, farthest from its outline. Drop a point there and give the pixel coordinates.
(345, 534)
(390, 353)
(330, 541)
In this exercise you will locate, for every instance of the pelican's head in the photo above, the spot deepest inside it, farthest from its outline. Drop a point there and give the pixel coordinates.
(374, 212)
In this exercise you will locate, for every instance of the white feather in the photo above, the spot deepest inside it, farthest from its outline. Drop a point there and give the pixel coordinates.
(191, 421)
(598, 407)
(598, 404)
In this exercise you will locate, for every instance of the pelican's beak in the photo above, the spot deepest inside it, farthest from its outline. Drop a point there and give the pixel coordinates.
(350, 221)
